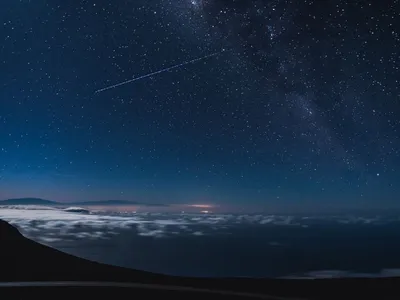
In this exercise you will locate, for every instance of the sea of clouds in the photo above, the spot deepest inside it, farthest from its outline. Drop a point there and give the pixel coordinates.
(50, 225)
(62, 223)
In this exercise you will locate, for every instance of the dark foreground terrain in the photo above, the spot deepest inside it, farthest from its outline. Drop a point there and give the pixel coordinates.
(25, 260)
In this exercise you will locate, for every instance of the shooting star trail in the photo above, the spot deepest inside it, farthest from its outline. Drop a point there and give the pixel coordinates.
(158, 72)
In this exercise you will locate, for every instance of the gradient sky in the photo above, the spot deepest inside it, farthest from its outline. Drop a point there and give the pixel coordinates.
(301, 110)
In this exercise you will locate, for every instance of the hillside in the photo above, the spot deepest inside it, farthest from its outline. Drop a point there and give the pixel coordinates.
(28, 201)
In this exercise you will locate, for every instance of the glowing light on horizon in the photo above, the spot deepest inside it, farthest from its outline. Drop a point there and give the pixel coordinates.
(201, 205)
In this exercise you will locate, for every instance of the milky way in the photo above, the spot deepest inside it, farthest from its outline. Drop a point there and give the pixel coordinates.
(302, 111)
(315, 59)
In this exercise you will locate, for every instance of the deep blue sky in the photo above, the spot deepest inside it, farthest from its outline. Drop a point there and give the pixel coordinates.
(302, 109)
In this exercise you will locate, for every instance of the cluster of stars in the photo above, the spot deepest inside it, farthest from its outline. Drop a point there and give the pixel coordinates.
(305, 95)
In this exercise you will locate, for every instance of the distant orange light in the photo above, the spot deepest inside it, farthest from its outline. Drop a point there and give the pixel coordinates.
(201, 205)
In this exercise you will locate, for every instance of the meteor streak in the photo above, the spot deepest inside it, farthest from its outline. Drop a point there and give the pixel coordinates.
(158, 72)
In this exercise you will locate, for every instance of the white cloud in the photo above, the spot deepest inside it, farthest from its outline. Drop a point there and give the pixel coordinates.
(49, 224)
(77, 209)
(65, 223)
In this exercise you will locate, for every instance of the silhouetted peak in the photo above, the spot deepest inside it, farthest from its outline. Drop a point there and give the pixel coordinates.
(27, 201)
(8, 231)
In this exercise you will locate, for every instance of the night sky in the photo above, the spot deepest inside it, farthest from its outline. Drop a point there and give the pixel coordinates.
(298, 108)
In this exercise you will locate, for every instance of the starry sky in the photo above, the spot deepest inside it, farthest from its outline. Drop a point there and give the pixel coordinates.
(298, 108)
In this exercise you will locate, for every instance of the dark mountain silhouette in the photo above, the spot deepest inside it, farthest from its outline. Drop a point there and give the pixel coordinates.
(24, 260)
(40, 262)
(28, 201)
(38, 201)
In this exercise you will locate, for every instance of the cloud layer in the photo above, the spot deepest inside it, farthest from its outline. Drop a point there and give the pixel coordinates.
(268, 239)
(74, 222)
